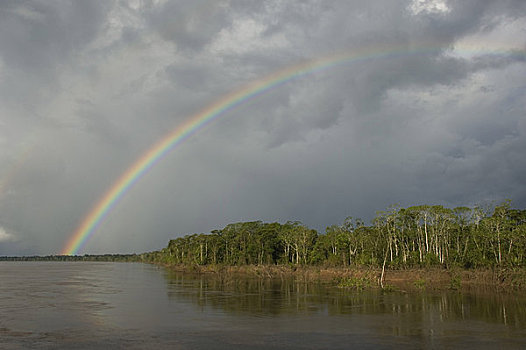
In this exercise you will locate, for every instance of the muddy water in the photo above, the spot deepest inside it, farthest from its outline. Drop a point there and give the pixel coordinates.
(138, 306)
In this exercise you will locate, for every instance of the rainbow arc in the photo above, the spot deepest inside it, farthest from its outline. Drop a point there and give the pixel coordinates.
(219, 108)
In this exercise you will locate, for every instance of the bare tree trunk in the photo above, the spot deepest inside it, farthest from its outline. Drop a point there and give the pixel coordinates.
(383, 270)
(425, 230)
(498, 243)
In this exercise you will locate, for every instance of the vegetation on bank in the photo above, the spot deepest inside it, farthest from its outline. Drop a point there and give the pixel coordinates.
(421, 247)
(87, 257)
(398, 238)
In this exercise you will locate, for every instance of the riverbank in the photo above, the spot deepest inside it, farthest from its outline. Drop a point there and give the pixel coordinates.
(415, 279)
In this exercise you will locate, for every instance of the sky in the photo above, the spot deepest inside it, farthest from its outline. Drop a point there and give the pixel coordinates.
(430, 109)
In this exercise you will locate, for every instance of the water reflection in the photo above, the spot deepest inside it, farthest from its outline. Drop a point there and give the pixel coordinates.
(123, 306)
(408, 312)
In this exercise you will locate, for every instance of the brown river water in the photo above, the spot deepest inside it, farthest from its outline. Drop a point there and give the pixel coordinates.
(89, 305)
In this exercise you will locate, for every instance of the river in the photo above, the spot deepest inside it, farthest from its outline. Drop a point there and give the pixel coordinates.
(90, 305)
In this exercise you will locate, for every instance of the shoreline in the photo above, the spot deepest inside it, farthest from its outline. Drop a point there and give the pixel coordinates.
(359, 278)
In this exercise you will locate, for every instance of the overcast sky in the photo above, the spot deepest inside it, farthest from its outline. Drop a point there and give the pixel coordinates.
(87, 86)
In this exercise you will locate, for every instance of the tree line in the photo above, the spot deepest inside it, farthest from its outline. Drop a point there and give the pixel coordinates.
(86, 257)
(417, 236)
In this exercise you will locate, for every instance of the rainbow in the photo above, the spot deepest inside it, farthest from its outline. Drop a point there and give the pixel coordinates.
(193, 124)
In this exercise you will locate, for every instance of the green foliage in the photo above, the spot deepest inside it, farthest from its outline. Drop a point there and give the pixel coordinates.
(455, 283)
(420, 284)
(388, 288)
(418, 236)
(358, 283)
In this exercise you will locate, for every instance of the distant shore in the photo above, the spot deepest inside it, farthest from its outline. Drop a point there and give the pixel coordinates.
(414, 279)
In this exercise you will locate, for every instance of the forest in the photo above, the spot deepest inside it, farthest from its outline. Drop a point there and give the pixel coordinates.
(86, 257)
(417, 236)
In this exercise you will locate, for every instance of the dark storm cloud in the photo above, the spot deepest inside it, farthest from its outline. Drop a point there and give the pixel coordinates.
(39, 35)
(190, 25)
(37, 38)
(87, 87)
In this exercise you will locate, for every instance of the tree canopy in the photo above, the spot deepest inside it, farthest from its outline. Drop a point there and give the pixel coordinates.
(421, 235)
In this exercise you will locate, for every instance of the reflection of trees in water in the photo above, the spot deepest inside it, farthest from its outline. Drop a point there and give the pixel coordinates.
(288, 296)
(265, 296)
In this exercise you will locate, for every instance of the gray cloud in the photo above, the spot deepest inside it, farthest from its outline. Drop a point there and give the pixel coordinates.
(433, 113)
(190, 25)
